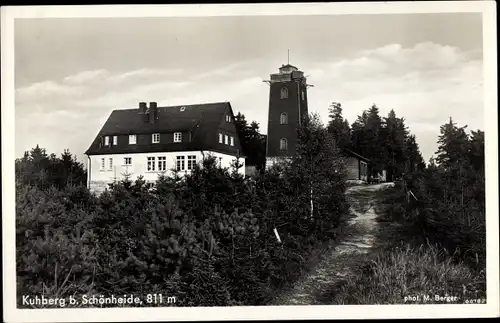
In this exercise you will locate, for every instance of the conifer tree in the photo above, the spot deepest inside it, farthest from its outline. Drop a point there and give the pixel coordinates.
(252, 142)
(339, 127)
(453, 146)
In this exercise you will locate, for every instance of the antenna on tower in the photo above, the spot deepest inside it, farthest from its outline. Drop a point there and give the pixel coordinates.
(288, 57)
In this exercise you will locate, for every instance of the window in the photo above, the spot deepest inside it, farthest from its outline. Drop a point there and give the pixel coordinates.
(177, 136)
(132, 139)
(283, 144)
(127, 161)
(284, 93)
(232, 141)
(106, 141)
(103, 161)
(111, 164)
(226, 139)
(115, 140)
(303, 95)
(183, 108)
(221, 138)
(228, 118)
(180, 163)
(283, 118)
(191, 162)
(162, 164)
(156, 138)
(151, 164)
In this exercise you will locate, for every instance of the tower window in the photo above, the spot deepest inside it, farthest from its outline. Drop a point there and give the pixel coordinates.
(283, 144)
(303, 96)
(284, 93)
(283, 118)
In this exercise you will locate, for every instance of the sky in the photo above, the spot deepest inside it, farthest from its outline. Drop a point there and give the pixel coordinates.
(70, 73)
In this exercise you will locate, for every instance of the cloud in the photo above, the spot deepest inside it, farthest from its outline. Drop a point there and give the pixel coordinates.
(86, 77)
(46, 90)
(425, 83)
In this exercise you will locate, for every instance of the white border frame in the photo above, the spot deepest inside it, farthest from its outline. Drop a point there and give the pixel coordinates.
(491, 309)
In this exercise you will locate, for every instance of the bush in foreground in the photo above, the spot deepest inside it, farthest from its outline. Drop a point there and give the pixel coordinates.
(393, 275)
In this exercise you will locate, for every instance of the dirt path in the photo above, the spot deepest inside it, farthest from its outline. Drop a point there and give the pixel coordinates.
(360, 239)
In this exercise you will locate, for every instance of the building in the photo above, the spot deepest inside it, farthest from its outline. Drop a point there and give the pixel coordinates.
(152, 140)
(357, 166)
(287, 109)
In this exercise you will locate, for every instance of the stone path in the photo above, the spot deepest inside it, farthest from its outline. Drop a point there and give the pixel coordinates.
(360, 239)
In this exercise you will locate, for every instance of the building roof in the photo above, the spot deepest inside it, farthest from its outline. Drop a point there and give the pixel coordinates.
(289, 65)
(170, 119)
(353, 154)
(202, 120)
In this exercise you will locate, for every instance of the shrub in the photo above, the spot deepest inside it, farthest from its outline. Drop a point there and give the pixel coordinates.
(427, 270)
(55, 247)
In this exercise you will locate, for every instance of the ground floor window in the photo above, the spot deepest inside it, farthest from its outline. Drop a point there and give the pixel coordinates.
(191, 161)
(162, 164)
(180, 163)
(151, 164)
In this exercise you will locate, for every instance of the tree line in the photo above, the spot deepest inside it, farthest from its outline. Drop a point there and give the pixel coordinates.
(385, 141)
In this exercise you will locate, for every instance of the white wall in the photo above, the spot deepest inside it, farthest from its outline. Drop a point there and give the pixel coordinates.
(98, 179)
(271, 161)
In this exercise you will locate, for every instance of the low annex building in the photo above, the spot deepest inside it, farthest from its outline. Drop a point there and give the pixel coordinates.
(357, 166)
(151, 140)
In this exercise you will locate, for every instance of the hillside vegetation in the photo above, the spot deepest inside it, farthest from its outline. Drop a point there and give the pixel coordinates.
(207, 238)
(433, 231)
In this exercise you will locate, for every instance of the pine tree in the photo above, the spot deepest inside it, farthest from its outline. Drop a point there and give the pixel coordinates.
(252, 142)
(476, 150)
(374, 150)
(359, 141)
(453, 146)
(339, 127)
(415, 159)
(395, 137)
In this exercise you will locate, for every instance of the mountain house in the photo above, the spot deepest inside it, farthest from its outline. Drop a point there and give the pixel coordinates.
(152, 140)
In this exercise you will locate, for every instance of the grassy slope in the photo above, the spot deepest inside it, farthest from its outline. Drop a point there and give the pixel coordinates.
(402, 265)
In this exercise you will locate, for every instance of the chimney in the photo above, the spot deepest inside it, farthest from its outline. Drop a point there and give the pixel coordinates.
(153, 112)
(142, 107)
(143, 111)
